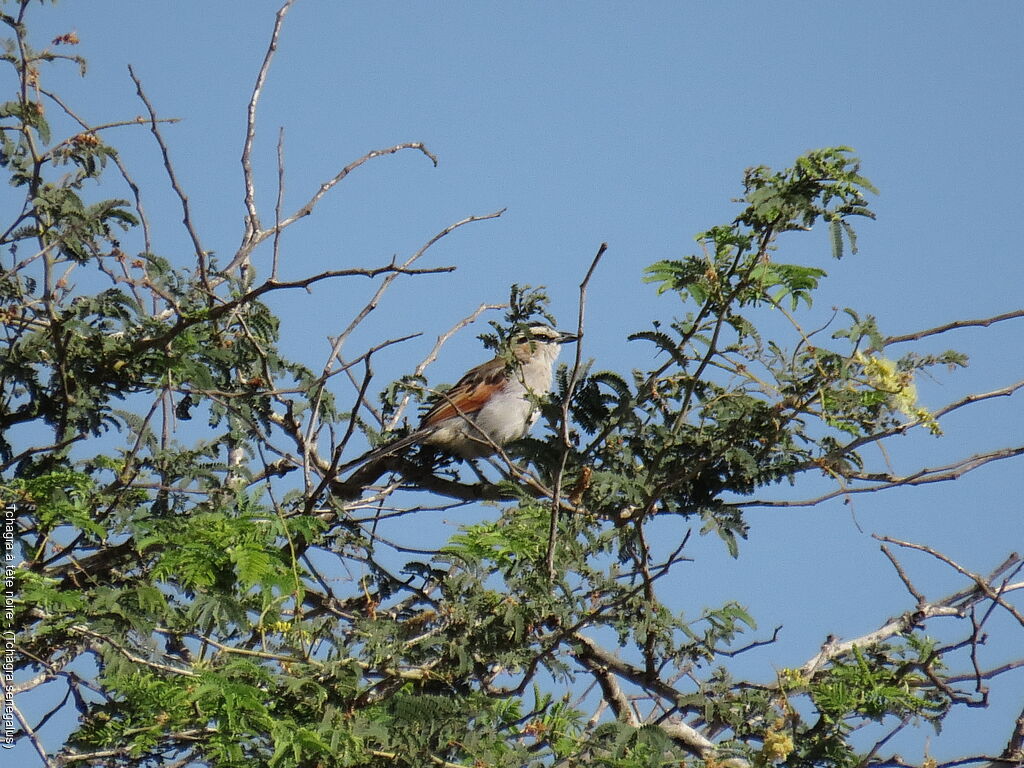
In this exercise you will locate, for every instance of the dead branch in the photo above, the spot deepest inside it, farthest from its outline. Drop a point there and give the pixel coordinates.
(252, 224)
(956, 324)
(995, 595)
(924, 476)
(154, 127)
(253, 239)
(956, 605)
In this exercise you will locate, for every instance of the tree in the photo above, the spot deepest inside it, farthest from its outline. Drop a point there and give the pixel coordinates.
(207, 576)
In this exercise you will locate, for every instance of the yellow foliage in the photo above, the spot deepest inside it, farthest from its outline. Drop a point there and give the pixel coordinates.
(883, 375)
(778, 743)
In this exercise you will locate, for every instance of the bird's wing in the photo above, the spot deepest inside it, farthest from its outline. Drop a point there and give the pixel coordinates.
(469, 395)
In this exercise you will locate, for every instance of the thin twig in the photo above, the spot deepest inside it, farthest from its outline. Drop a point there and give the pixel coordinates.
(903, 576)
(327, 186)
(866, 760)
(594, 657)
(338, 342)
(278, 205)
(136, 193)
(251, 240)
(900, 429)
(954, 605)
(173, 177)
(566, 445)
(185, 322)
(329, 471)
(252, 223)
(102, 638)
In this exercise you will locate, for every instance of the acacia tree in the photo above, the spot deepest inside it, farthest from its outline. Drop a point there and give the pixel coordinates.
(206, 576)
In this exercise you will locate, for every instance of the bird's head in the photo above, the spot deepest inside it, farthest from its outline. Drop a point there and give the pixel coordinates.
(540, 339)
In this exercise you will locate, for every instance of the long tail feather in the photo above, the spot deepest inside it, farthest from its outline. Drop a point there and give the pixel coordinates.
(388, 449)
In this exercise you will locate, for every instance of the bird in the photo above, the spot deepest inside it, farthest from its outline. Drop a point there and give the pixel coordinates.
(492, 404)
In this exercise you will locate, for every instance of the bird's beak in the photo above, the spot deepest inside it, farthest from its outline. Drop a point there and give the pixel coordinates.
(567, 338)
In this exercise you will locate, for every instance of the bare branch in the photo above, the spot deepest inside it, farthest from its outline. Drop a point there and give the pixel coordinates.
(900, 429)
(339, 341)
(977, 398)
(923, 476)
(903, 576)
(696, 742)
(588, 648)
(995, 595)
(375, 300)
(197, 734)
(1015, 746)
(220, 310)
(132, 657)
(252, 224)
(327, 186)
(878, 437)
(603, 664)
(169, 168)
(12, 689)
(985, 322)
(611, 691)
(955, 605)
(252, 239)
(278, 205)
(986, 674)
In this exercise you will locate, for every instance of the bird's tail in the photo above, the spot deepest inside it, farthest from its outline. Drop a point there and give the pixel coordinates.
(388, 449)
(372, 464)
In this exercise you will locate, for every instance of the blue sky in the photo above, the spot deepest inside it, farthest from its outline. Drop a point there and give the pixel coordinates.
(629, 124)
